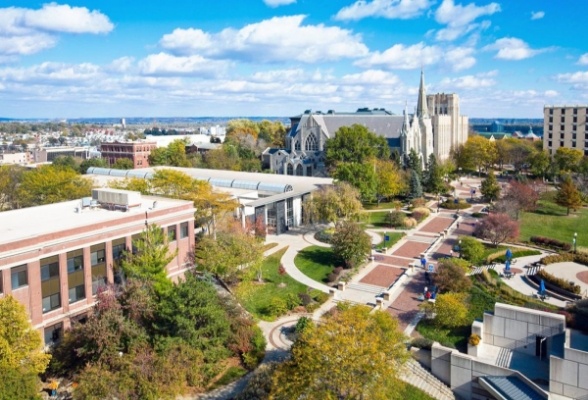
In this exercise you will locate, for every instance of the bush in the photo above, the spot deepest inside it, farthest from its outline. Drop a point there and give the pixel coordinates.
(277, 306)
(450, 205)
(332, 277)
(550, 243)
(325, 236)
(419, 202)
(312, 307)
(302, 323)
(397, 218)
(559, 282)
(500, 257)
(321, 297)
(471, 249)
(420, 213)
(292, 301)
(410, 223)
(557, 258)
(422, 343)
(305, 299)
(474, 339)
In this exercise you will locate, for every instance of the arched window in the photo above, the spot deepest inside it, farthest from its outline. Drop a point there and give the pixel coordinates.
(290, 170)
(311, 143)
(299, 170)
(297, 145)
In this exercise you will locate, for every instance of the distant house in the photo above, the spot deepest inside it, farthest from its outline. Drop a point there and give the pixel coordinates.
(137, 152)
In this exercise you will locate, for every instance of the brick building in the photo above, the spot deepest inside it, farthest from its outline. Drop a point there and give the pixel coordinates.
(138, 152)
(53, 258)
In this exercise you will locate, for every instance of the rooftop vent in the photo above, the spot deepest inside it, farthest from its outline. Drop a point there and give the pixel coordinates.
(116, 199)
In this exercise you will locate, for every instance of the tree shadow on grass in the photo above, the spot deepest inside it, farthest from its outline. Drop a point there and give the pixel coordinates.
(323, 257)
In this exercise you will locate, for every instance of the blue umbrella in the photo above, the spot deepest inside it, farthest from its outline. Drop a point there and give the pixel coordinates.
(508, 254)
(507, 266)
(542, 287)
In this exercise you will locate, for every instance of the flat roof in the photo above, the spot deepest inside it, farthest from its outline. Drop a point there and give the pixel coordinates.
(27, 223)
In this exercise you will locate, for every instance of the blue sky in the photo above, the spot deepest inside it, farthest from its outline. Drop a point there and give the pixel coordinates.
(99, 58)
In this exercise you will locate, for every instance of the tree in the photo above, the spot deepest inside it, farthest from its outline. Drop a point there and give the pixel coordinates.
(568, 195)
(149, 259)
(520, 197)
(568, 160)
(463, 158)
(490, 187)
(451, 310)
(481, 151)
(48, 184)
(414, 162)
(67, 162)
(451, 277)
(123, 163)
(497, 228)
(540, 163)
(21, 355)
(174, 155)
(415, 188)
(471, 249)
(92, 162)
(433, 180)
(361, 176)
(350, 243)
(332, 203)
(337, 358)
(390, 179)
(10, 178)
(355, 144)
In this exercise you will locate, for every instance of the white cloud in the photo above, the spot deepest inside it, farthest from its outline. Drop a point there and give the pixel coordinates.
(390, 9)
(164, 64)
(371, 77)
(459, 19)
(513, 49)
(418, 55)
(282, 75)
(64, 18)
(580, 77)
(122, 64)
(26, 31)
(278, 39)
(52, 73)
(537, 15)
(468, 82)
(583, 60)
(400, 56)
(277, 3)
(551, 93)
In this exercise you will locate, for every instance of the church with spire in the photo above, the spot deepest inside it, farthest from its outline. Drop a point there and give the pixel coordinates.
(435, 127)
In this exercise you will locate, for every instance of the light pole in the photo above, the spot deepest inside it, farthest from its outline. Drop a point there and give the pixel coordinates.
(459, 248)
(574, 240)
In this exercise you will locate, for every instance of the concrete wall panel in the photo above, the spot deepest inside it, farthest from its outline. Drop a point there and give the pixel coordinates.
(515, 329)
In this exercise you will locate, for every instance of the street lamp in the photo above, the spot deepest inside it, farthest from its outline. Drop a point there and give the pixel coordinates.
(459, 248)
(574, 241)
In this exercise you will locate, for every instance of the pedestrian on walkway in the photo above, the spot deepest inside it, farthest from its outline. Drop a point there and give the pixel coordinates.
(458, 225)
(426, 290)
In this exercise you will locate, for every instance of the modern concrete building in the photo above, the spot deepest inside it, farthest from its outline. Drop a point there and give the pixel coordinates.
(523, 354)
(53, 258)
(49, 154)
(15, 158)
(434, 128)
(137, 152)
(565, 126)
(276, 200)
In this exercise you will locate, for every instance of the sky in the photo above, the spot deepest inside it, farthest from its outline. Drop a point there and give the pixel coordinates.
(193, 58)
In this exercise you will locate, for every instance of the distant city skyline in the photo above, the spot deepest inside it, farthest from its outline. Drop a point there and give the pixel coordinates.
(190, 58)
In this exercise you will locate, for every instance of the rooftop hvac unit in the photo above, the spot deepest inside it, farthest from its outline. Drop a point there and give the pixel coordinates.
(115, 197)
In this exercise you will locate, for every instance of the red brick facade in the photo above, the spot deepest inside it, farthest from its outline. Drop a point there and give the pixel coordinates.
(83, 257)
(138, 152)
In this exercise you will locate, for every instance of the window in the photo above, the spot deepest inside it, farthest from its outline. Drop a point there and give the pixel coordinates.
(575, 111)
(574, 143)
(297, 145)
(171, 233)
(117, 251)
(561, 144)
(550, 119)
(97, 282)
(550, 144)
(289, 170)
(550, 136)
(1, 287)
(51, 302)
(53, 334)
(49, 271)
(551, 111)
(19, 277)
(75, 263)
(98, 257)
(184, 231)
(77, 293)
(311, 143)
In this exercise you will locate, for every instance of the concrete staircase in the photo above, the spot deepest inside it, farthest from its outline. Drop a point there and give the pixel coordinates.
(418, 376)
(478, 270)
(366, 287)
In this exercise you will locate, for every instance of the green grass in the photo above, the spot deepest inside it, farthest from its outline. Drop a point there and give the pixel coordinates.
(316, 262)
(257, 297)
(376, 206)
(487, 290)
(410, 392)
(378, 219)
(550, 220)
(269, 246)
(394, 237)
(230, 375)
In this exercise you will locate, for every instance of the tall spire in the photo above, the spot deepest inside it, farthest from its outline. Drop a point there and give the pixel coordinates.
(422, 110)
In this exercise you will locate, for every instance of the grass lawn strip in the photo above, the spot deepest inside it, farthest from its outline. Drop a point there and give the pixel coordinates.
(256, 297)
(316, 262)
(394, 238)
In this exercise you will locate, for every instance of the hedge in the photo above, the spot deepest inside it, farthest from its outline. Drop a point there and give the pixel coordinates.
(550, 243)
(500, 257)
(450, 205)
(559, 282)
(580, 258)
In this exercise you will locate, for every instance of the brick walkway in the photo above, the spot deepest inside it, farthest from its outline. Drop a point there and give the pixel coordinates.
(438, 224)
(411, 249)
(465, 229)
(395, 261)
(382, 275)
(406, 306)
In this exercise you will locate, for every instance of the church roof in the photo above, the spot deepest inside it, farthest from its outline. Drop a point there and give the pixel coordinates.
(386, 125)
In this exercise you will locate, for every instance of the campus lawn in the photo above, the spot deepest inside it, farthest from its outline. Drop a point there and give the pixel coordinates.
(410, 392)
(377, 219)
(381, 206)
(316, 262)
(394, 237)
(550, 220)
(260, 299)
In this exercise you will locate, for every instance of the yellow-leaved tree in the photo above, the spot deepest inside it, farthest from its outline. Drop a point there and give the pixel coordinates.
(21, 352)
(351, 354)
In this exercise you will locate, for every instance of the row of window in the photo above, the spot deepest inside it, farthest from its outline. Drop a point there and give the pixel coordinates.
(50, 270)
(565, 110)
